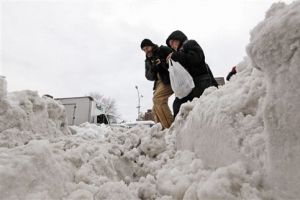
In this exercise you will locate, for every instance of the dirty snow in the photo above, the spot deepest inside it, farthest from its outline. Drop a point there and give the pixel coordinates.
(240, 141)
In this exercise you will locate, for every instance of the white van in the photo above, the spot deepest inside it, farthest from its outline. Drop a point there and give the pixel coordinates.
(83, 109)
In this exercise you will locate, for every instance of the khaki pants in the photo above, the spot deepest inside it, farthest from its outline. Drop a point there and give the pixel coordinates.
(161, 110)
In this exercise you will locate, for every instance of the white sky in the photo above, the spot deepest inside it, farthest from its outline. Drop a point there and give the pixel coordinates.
(70, 48)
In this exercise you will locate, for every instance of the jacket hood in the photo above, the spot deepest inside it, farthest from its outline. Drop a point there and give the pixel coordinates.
(176, 35)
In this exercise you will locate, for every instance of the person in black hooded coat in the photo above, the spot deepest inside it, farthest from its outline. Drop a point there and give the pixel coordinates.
(190, 55)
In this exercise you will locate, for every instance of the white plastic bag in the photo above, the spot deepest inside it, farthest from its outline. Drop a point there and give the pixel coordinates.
(181, 81)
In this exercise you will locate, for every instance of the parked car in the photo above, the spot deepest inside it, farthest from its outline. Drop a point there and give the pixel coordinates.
(148, 123)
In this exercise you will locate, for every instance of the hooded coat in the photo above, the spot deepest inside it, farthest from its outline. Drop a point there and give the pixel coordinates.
(152, 69)
(190, 55)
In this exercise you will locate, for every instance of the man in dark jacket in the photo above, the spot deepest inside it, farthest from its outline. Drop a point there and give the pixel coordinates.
(190, 55)
(156, 69)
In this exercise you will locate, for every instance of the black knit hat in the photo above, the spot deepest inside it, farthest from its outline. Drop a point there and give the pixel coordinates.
(146, 42)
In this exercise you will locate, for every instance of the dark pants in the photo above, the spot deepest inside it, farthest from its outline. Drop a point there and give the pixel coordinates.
(201, 83)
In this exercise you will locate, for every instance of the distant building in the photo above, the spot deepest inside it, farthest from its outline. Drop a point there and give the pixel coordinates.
(148, 115)
(220, 80)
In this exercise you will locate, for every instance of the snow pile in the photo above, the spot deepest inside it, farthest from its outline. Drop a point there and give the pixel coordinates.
(139, 163)
(225, 125)
(81, 167)
(238, 142)
(113, 190)
(25, 115)
(275, 50)
(33, 171)
(254, 118)
(87, 130)
(186, 177)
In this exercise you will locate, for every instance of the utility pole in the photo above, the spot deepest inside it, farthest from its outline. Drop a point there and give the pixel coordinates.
(139, 103)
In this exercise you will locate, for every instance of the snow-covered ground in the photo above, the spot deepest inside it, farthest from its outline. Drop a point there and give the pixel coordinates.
(240, 141)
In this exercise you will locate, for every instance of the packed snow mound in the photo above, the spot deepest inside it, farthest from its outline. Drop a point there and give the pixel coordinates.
(255, 117)
(88, 130)
(108, 166)
(137, 163)
(25, 115)
(33, 171)
(225, 125)
(240, 141)
(275, 50)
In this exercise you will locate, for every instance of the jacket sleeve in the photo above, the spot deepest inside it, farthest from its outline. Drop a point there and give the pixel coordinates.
(150, 71)
(191, 55)
(212, 77)
(164, 52)
(230, 74)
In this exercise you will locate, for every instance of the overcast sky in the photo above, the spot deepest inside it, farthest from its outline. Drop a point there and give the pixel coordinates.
(70, 48)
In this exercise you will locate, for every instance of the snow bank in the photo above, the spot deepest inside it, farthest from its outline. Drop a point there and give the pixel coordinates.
(87, 130)
(33, 171)
(254, 118)
(275, 50)
(139, 163)
(225, 125)
(25, 116)
(85, 166)
(238, 142)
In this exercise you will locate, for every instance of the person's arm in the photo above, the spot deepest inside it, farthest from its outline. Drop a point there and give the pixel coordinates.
(150, 71)
(230, 74)
(191, 55)
(164, 51)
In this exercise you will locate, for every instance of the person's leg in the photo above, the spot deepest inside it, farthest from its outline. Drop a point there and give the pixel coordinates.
(155, 115)
(200, 86)
(160, 101)
(176, 106)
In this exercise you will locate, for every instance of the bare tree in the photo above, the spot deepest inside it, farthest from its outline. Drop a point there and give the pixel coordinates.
(108, 104)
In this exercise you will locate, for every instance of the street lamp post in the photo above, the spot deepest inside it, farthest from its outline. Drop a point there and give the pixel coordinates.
(139, 102)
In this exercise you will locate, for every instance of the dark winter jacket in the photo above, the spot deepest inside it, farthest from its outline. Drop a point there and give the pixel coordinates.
(190, 55)
(152, 69)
